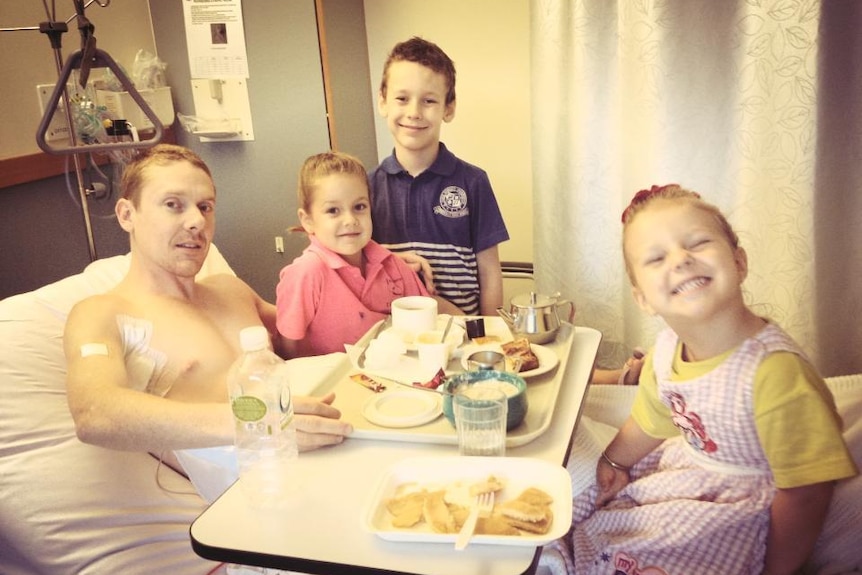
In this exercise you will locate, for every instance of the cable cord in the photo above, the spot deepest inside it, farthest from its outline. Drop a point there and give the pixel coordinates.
(159, 481)
(109, 189)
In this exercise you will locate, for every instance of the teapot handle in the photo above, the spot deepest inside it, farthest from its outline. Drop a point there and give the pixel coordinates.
(571, 304)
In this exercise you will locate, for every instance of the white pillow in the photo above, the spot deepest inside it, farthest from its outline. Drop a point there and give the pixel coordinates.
(68, 507)
(838, 550)
(102, 275)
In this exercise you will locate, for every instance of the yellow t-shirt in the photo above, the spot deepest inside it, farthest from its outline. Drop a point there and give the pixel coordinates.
(795, 416)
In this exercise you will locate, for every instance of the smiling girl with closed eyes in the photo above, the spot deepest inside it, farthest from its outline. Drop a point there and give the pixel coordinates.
(728, 460)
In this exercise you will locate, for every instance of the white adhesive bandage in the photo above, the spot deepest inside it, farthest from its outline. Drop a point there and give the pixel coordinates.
(89, 349)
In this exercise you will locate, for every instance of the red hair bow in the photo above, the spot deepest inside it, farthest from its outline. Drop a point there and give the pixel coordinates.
(642, 197)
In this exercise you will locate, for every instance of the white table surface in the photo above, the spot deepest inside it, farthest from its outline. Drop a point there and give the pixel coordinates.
(321, 532)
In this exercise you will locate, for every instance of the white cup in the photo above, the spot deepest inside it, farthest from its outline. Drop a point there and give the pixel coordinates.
(414, 314)
(480, 421)
(433, 351)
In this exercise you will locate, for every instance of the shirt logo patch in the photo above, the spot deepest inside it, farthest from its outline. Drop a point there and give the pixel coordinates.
(453, 203)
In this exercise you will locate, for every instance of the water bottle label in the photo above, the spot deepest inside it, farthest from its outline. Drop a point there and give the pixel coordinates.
(248, 408)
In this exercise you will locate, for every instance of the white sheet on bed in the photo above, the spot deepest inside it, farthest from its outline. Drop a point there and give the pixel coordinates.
(67, 507)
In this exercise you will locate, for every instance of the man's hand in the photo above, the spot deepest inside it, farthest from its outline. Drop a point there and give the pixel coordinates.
(317, 422)
(421, 266)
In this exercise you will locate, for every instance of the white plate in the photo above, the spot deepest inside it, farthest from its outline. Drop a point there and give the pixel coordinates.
(455, 336)
(457, 473)
(402, 408)
(547, 357)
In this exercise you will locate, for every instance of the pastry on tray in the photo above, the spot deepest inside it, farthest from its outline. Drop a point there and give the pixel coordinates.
(520, 349)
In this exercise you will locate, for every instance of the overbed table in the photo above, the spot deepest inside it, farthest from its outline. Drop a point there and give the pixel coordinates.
(321, 531)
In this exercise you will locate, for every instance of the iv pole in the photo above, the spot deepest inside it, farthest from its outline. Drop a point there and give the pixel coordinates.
(85, 59)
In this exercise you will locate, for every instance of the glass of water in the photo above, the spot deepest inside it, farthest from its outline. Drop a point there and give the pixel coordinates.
(480, 420)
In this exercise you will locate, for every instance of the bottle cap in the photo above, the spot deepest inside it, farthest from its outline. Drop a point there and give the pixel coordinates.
(254, 338)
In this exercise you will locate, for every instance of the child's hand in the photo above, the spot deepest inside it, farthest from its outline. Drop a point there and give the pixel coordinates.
(421, 266)
(632, 369)
(610, 481)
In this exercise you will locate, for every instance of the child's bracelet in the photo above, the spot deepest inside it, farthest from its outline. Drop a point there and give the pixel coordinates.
(614, 464)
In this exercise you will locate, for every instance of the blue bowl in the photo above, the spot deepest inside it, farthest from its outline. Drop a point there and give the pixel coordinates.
(517, 405)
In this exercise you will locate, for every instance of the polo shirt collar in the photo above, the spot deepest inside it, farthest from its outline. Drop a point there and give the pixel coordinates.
(444, 165)
(329, 257)
(373, 251)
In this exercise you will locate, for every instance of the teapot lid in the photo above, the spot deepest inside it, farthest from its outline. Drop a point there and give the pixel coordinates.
(534, 300)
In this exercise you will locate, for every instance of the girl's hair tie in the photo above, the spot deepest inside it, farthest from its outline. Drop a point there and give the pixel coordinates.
(644, 196)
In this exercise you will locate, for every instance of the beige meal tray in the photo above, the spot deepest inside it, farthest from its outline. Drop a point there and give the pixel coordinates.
(542, 391)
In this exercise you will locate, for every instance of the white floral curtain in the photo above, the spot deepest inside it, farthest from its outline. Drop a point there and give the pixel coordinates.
(756, 104)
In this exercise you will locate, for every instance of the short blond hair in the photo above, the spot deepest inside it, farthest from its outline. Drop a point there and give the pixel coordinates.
(159, 155)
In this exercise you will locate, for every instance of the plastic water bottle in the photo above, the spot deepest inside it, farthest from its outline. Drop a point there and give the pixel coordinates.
(263, 412)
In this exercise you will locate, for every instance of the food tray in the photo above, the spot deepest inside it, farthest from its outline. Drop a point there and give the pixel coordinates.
(518, 473)
(542, 393)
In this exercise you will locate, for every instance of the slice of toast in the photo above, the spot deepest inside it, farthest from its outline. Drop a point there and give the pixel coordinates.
(520, 349)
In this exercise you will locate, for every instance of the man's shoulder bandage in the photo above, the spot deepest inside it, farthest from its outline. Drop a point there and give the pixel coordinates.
(89, 349)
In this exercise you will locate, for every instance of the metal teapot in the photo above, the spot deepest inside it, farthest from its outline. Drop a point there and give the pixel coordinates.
(535, 316)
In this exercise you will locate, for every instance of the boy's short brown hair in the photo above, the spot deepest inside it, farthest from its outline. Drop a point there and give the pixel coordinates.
(427, 54)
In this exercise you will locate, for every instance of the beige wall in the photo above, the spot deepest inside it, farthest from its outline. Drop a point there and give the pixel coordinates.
(489, 42)
(27, 59)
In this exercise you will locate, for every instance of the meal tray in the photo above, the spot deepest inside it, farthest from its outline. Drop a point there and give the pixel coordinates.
(542, 393)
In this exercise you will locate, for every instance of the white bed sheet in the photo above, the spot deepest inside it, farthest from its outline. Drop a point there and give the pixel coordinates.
(67, 507)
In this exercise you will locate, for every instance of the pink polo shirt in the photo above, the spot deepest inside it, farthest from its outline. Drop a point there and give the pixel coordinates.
(326, 303)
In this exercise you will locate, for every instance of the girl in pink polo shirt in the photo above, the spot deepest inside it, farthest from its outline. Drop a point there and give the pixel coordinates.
(344, 282)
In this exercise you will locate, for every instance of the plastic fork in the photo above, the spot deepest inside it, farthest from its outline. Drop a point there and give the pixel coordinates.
(482, 507)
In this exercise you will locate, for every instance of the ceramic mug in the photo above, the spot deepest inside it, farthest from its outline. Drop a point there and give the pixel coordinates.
(414, 314)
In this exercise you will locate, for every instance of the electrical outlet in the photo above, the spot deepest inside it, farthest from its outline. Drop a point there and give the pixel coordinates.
(58, 129)
(279, 244)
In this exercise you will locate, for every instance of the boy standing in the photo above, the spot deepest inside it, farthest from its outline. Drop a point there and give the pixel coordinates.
(424, 199)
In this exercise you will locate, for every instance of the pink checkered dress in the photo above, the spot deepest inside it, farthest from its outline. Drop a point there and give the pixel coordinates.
(699, 503)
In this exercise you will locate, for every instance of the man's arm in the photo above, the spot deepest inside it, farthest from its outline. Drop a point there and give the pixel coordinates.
(490, 281)
(107, 412)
